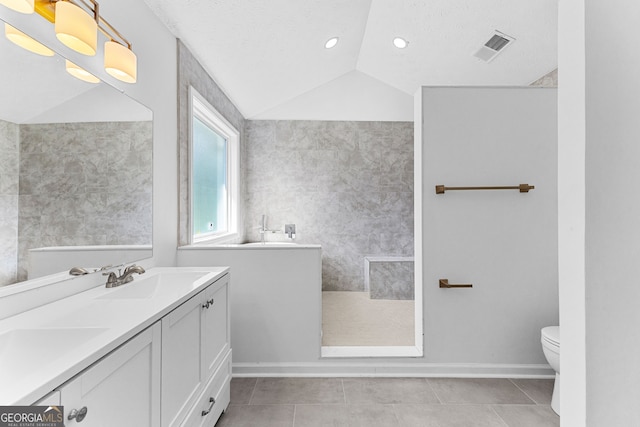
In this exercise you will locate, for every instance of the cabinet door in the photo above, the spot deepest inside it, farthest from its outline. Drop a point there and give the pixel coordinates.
(122, 389)
(216, 328)
(181, 359)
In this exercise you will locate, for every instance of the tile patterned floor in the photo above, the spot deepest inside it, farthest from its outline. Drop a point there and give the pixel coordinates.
(353, 319)
(389, 402)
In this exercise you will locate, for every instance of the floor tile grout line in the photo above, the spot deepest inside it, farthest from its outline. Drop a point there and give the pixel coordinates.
(524, 392)
(253, 391)
(501, 419)
(433, 390)
(293, 423)
(395, 412)
(344, 393)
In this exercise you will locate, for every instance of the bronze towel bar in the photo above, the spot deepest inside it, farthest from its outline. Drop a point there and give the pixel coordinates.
(524, 188)
(444, 283)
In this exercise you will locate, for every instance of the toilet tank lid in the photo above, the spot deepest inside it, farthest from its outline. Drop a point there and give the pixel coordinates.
(552, 333)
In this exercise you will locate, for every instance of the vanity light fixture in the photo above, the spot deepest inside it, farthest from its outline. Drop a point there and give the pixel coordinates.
(76, 28)
(120, 62)
(400, 43)
(332, 42)
(80, 73)
(22, 6)
(24, 41)
(76, 25)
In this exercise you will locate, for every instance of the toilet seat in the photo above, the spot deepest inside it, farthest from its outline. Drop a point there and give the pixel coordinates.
(551, 335)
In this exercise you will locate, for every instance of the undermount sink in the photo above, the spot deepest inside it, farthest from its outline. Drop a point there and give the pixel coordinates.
(147, 287)
(39, 346)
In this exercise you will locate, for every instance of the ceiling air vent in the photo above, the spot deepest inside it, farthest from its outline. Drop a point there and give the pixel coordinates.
(496, 44)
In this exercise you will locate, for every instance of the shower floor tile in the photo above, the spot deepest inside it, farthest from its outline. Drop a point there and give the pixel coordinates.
(353, 319)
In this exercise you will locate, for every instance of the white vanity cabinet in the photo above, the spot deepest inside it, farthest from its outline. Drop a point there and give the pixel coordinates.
(196, 358)
(122, 389)
(155, 352)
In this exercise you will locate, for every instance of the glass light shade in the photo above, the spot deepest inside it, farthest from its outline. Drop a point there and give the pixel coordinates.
(22, 6)
(76, 28)
(24, 41)
(120, 62)
(80, 73)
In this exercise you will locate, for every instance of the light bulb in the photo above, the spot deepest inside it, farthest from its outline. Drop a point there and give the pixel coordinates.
(26, 42)
(22, 6)
(80, 73)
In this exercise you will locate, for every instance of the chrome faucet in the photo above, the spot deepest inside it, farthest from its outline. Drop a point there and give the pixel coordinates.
(263, 228)
(114, 281)
(81, 271)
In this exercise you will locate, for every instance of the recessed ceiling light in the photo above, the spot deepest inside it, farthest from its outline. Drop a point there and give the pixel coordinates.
(331, 42)
(400, 43)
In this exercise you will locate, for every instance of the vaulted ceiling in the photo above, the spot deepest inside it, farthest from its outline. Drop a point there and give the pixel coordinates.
(269, 56)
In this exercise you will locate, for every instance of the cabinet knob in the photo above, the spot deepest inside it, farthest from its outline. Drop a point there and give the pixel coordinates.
(78, 415)
(213, 402)
(208, 304)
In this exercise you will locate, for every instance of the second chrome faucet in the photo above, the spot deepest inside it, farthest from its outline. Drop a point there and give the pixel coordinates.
(263, 228)
(114, 281)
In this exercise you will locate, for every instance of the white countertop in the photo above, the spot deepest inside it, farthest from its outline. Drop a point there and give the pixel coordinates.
(250, 245)
(42, 348)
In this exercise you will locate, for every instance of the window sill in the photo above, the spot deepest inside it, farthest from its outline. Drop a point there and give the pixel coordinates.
(216, 240)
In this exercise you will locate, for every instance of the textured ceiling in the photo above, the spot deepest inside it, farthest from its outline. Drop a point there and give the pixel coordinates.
(269, 56)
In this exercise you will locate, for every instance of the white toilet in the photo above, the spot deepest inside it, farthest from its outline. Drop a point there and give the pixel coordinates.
(550, 338)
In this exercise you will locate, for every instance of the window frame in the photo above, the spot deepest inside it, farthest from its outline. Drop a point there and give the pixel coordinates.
(201, 109)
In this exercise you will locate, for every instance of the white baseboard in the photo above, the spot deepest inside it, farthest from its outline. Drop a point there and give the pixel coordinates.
(379, 369)
(370, 351)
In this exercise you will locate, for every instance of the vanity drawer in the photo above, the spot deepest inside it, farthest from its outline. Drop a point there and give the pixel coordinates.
(206, 412)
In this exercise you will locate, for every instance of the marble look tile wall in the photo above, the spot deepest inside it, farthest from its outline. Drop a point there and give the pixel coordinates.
(191, 73)
(9, 156)
(391, 280)
(346, 185)
(84, 184)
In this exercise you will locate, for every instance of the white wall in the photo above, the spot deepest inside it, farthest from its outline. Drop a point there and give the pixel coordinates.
(275, 302)
(612, 213)
(571, 210)
(503, 242)
(599, 247)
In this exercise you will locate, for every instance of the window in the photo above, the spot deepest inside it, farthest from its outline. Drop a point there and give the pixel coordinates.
(214, 174)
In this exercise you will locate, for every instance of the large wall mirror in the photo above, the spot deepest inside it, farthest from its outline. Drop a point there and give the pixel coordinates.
(75, 169)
